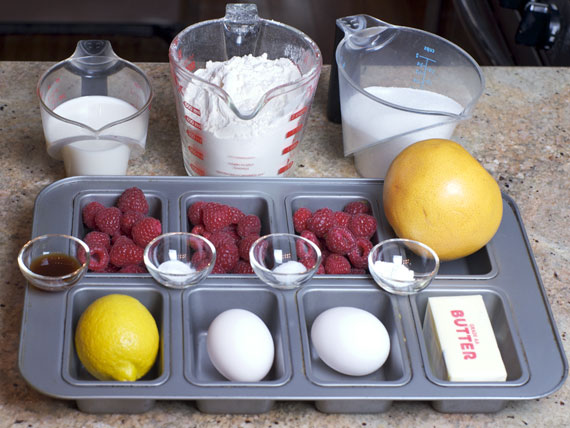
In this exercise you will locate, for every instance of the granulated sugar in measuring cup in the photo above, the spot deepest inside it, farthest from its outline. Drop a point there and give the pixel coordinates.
(243, 87)
(397, 86)
(95, 109)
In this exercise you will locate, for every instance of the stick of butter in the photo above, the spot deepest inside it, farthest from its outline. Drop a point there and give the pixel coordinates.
(460, 341)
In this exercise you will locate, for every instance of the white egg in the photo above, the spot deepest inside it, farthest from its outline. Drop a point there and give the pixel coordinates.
(351, 341)
(240, 346)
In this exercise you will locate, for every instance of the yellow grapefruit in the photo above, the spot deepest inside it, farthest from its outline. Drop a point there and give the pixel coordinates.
(435, 192)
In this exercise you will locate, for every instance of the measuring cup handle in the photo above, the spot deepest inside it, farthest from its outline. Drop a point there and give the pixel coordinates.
(94, 61)
(352, 24)
(93, 48)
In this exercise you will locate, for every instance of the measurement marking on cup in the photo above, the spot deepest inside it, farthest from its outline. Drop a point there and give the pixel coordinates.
(285, 167)
(193, 122)
(294, 130)
(191, 108)
(194, 136)
(299, 113)
(424, 70)
(189, 63)
(195, 152)
(290, 147)
(197, 169)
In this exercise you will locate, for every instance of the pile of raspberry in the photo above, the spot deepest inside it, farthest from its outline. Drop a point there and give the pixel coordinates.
(344, 237)
(230, 230)
(118, 235)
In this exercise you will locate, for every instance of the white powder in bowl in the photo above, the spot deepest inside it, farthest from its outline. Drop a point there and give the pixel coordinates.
(395, 270)
(291, 267)
(176, 270)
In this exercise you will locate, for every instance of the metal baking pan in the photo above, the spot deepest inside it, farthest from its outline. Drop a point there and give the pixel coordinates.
(503, 272)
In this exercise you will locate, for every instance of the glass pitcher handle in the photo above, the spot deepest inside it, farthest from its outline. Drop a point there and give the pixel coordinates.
(355, 23)
(93, 48)
(241, 27)
(94, 61)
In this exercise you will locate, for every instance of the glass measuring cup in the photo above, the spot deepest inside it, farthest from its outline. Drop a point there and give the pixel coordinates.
(95, 109)
(397, 86)
(218, 135)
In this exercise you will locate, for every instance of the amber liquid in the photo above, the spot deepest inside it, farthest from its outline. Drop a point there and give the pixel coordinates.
(55, 264)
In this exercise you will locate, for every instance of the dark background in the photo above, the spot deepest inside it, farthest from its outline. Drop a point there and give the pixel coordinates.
(140, 31)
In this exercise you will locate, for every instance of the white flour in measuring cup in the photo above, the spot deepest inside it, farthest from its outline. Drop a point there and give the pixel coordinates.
(367, 122)
(217, 142)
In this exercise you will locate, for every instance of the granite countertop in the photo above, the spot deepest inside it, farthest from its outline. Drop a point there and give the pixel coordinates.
(520, 132)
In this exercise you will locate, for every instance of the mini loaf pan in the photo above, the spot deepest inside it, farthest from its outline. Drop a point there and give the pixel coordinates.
(504, 272)
(508, 341)
(276, 214)
(394, 373)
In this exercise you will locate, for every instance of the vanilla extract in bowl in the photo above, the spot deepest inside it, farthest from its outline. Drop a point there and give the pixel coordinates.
(54, 264)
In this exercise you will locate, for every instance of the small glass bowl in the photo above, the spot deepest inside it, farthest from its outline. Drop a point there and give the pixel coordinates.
(276, 260)
(179, 259)
(50, 262)
(402, 266)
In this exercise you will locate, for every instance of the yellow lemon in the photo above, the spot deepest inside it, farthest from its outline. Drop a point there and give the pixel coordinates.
(117, 338)
(435, 192)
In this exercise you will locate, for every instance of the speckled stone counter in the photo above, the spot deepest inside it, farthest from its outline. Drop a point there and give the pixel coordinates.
(520, 132)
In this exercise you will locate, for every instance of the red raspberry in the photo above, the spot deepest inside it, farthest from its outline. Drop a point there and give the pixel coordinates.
(99, 258)
(244, 246)
(133, 269)
(216, 216)
(96, 238)
(89, 211)
(227, 256)
(324, 254)
(362, 225)
(200, 259)
(108, 220)
(219, 238)
(321, 269)
(133, 199)
(232, 231)
(242, 267)
(218, 269)
(300, 218)
(128, 219)
(304, 250)
(357, 207)
(249, 225)
(126, 252)
(111, 268)
(195, 212)
(116, 236)
(358, 256)
(199, 229)
(341, 218)
(340, 240)
(146, 230)
(356, 271)
(236, 215)
(312, 237)
(198, 245)
(308, 261)
(321, 221)
(336, 264)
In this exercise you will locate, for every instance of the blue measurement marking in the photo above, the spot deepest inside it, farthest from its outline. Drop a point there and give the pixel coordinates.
(424, 69)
